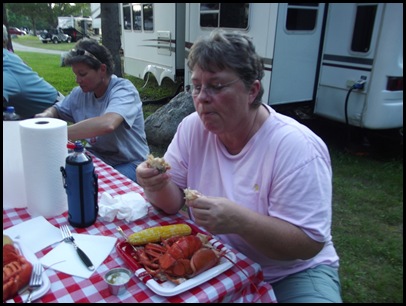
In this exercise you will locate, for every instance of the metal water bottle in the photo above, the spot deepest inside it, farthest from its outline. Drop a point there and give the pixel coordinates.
(80, 182)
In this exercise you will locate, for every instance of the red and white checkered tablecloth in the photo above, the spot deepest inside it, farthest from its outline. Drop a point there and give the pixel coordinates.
(233, 285)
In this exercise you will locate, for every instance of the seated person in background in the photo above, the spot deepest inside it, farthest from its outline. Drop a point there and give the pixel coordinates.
(23, 88)
(265, 179)
(105, 110)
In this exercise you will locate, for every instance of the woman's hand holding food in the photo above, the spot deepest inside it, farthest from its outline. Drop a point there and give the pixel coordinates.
(215, 214)
(158, 188)
(150, 178)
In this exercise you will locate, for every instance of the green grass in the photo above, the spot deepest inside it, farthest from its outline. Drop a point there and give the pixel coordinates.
(368, 227)
(63, 78)
(33, 41)
(367, 204)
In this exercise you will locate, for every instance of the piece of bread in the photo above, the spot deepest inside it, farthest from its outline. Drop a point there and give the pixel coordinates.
(158, 163)
(191, 194)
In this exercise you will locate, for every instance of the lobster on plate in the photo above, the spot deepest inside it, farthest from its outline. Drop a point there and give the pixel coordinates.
(16, 271)
(178, 258)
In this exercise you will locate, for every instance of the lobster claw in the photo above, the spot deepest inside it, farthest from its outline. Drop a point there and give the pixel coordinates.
(203, 260)
(181, 268)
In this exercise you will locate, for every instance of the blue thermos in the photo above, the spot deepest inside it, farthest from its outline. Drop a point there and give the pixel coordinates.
(80, 183)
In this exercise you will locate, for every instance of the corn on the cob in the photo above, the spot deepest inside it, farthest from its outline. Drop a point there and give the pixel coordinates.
(158, 233)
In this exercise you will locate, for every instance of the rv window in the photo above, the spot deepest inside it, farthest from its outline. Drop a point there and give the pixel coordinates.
(209, 14)
(148, 17)
(234, 15)
(225, 15)
(126, 16)
(301, 16)
(137, 21)
(363, 27)
(209, 6)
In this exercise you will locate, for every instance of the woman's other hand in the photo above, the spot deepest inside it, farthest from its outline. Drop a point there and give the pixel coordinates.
(215, 214)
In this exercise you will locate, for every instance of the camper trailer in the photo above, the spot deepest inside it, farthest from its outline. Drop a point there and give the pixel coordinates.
(76, 27)
(344, 59)
(153, 39)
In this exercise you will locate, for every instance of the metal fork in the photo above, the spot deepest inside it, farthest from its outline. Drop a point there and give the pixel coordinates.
(120, 230)
(35, 281)
(67, 237)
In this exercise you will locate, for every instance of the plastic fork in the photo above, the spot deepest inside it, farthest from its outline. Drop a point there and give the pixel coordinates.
(67, 237)
(35, 281)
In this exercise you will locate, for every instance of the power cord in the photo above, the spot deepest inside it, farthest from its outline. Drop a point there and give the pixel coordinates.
(359, 85)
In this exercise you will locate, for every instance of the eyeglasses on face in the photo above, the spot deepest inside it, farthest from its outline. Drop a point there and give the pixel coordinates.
(84, 52)
(211, 90)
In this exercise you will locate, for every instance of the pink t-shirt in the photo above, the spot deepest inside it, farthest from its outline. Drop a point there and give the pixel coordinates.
(284, 171)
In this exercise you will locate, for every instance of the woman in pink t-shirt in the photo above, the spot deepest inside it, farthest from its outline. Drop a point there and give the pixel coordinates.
(265, 180)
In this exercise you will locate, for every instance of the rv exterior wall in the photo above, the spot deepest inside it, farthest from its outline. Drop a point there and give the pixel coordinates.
(313, 52)
(372, 107)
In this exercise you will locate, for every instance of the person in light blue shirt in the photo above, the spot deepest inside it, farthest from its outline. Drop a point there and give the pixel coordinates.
(105, 110)
(23, 88)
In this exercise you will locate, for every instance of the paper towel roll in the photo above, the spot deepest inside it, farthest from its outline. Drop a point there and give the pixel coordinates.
(43, 147)
(14, 194)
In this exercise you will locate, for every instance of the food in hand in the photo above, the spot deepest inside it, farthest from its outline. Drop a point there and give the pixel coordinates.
(158, 163)
(191, 194)
(178, 258)
(159, 233)
(16, 270)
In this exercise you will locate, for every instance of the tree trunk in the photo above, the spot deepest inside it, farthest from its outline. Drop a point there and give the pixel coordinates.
(5, 22)
(111, 30)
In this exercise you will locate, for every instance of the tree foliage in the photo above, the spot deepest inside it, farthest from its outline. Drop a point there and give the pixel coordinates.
(42, 15)
(39, 16)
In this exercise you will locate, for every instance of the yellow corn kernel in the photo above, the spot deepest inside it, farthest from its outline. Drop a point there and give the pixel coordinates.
(159, 233)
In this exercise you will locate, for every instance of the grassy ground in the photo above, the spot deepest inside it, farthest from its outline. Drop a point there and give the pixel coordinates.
(367, 200)
(368, 226)
(148, 88)
(33, 41)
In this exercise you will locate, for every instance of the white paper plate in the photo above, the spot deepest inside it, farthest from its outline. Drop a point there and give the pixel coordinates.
(168, 288)
(46, 284)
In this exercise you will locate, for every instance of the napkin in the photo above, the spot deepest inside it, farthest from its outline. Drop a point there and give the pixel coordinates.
(130, 206)
(35, 234)
(64, 257)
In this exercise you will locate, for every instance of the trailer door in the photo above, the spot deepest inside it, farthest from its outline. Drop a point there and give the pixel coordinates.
(296, 55)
